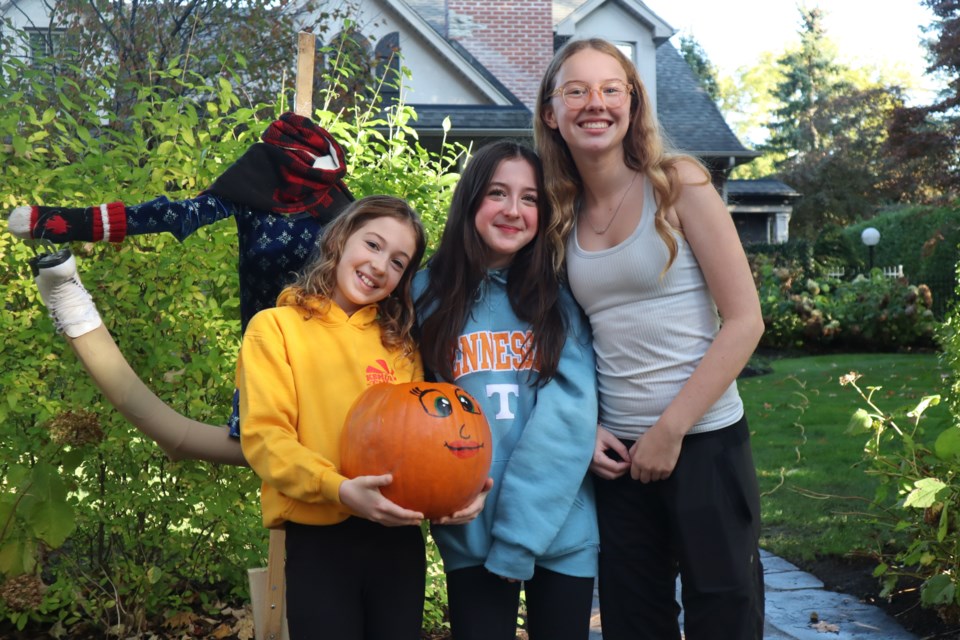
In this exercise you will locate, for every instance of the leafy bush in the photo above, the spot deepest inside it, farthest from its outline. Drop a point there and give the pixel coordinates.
(923, 239)
(918, 497)
(949, 339)
(873, 313)
(919, 490)
(108, 533)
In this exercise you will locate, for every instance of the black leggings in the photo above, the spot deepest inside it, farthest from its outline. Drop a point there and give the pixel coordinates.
(484, 606)
(356, 580)
(703, 522)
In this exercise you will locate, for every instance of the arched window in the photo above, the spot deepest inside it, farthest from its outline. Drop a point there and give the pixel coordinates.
(346, 69)
(387, 60)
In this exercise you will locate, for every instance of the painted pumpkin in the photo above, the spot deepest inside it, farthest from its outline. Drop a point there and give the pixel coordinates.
(433, 438)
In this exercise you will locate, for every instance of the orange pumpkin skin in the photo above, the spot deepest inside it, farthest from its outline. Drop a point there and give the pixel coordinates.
(433, 438)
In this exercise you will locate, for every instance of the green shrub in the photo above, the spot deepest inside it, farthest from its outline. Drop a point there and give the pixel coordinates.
(870, 313)
(923, 240)
(919, 491)
(918, 497)
(949, 339)
(120, 536)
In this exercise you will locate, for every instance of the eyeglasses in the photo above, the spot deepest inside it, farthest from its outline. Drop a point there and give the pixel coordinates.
(576, 95)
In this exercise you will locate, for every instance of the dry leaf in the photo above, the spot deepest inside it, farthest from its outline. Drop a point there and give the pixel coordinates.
(173, 374)
(826, 627)
(182, 620)
(244, 629)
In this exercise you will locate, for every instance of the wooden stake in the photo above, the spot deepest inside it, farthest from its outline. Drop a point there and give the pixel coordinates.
(269, 600)
(277, 587)
(306, 52)
(268, 592)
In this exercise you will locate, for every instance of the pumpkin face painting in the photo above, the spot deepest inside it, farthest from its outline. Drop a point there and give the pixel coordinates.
(433, 438)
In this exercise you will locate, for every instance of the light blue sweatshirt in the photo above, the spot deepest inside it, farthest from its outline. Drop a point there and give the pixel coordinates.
(541, 511)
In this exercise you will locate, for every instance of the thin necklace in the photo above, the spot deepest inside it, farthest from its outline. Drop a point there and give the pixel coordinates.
(600, 232)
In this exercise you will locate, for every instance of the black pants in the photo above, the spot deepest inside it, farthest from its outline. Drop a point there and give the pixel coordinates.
(703, 521)
(356, 580)
(484, 606)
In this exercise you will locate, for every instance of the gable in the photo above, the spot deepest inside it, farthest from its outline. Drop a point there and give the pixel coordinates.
(629, 24)
(24, 14)
(451, 80)
(572, 17)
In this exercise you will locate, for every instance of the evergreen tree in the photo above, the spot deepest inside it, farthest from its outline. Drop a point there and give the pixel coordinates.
(829, 133)
(810, 76)
(697, 58)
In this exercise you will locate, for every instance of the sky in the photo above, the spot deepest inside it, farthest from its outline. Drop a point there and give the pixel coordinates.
(886, 33)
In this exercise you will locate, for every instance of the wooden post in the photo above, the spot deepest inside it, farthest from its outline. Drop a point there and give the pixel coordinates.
(268, 592)
(268, 586)
(303, 97)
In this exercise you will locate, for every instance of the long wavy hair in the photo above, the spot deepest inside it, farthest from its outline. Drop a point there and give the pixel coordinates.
(644, 147)
(318, 280)
(459, 266)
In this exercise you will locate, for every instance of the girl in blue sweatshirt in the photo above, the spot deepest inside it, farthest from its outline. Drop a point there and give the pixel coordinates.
(497, 320)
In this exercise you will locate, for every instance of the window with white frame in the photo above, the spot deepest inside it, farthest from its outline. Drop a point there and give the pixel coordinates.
(44, 43)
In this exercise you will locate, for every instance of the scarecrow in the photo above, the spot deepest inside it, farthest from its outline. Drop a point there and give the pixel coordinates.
(281, 193)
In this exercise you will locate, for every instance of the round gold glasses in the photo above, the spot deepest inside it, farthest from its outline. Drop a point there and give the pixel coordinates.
(576, 95)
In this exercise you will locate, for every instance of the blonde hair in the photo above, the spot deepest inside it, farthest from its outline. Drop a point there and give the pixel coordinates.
(644, 148)
(318, 281)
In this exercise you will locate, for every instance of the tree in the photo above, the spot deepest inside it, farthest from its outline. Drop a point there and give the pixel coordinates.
(200, 36)
(924, 141)
(845, 179)
(697, 58)
(828, 134)
(746, 100)
(810, 75)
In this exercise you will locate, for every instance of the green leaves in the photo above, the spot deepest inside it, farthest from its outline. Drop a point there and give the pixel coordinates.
(924, 493)
(860, 422)
(152, 529)
(947, 444)
(938, 590)
(928, 482)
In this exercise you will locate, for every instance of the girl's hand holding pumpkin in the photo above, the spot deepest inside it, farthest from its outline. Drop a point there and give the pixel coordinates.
(362, 495)
(471, 511)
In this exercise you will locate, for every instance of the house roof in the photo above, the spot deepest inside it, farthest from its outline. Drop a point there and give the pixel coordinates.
(474, 120)
(514, 119)
(485, 73)
(766, 187)
(688, 116)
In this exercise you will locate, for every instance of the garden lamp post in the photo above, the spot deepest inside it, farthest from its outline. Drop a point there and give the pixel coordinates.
(870, 237)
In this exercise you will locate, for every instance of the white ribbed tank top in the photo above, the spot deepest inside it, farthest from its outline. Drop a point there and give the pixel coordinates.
(649, 333)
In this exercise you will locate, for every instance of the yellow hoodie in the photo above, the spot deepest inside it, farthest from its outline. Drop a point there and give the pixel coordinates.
(297, 379)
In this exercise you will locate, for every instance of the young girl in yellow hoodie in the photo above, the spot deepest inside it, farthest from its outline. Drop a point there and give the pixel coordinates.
(355, 560)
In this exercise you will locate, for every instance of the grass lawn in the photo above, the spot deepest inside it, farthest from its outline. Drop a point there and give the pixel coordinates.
(798, 418)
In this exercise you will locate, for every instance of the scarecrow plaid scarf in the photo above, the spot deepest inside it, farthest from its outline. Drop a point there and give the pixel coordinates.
(297, 168)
